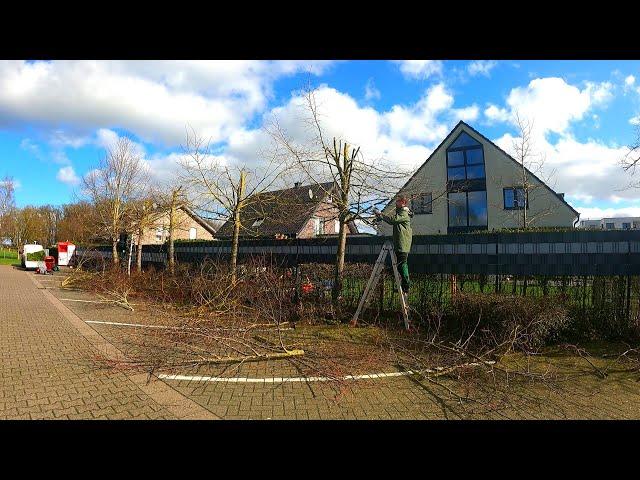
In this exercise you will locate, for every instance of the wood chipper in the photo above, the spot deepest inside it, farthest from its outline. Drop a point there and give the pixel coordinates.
(65, 252)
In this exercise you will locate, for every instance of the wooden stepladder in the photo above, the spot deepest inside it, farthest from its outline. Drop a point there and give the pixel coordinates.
(387, 248)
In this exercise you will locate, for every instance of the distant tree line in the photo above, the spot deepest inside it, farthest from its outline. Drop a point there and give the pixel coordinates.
(45, 224)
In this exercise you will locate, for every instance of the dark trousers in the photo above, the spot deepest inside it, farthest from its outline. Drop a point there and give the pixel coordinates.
(403, 270)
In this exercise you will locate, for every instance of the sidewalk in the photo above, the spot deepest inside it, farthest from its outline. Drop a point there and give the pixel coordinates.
(46, 366)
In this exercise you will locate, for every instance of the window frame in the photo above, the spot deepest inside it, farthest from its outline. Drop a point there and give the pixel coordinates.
(465, 162)
(515, 198)
(420, 198)
(467, 226)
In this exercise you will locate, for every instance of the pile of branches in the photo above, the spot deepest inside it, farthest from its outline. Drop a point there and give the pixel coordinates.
(200, 317)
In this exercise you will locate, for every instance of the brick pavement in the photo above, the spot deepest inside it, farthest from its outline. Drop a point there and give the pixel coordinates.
(48, 368)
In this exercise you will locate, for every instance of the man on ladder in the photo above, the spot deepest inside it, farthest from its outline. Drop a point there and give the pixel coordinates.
(399, 253)
(402, 235)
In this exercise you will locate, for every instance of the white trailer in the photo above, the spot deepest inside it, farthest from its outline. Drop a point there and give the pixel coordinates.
(30, 248)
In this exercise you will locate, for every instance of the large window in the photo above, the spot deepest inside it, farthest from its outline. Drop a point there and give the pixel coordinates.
(465, 159)
(514, 198)
(468, 209)
(421, 203)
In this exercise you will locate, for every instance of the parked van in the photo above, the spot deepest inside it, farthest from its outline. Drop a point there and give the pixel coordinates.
(28, 249)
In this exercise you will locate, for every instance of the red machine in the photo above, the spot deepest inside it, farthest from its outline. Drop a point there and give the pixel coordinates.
(65, 252)
(50, 263)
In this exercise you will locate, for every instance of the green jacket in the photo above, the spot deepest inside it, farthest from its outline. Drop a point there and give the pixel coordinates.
(402, 233)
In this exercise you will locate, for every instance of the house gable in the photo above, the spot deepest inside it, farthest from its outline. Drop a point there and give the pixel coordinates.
(546, 208)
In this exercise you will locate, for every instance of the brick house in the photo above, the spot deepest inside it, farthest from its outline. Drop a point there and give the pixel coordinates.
(189, 226)
(298, 212)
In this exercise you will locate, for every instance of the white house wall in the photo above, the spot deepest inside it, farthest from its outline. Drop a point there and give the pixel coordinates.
(546, 209)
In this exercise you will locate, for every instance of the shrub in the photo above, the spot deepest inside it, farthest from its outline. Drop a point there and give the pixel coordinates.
(527, 322)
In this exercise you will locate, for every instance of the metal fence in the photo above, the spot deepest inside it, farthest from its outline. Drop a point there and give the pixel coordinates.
(574, 253)
(596, 273)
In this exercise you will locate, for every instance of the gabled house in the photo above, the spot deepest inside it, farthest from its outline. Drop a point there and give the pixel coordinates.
(469, 183)
(299, 212)
(188, 226)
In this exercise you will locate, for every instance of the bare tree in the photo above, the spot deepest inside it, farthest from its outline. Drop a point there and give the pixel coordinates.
(77, 223)
(532, 175)
(632, 158)
(169, 198)
(360, 182)
(143, 213)
(7, 206)
(225, 190)
(112, 188)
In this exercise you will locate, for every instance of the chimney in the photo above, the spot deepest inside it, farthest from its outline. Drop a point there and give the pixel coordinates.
(296, 185)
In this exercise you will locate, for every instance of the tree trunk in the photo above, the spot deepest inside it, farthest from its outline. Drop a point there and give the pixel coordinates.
(139, 251)
(339, 272)
(234, 245)
(236, 229)
(172, 258)
(114, 252)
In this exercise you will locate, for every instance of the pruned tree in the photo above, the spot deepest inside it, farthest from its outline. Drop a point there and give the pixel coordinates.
(360, 182)
(169, 198)
(142, 215)
(113, 187)
(632, 158)
(225, 190)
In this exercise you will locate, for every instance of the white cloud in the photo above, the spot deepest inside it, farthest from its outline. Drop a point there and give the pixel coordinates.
(600, 93)
(420, 69)
(153, 99)
(31, 147)
(630, 80)
(419, 122)
(635, 120)
(106, 138)
(62, 139)
(60, 157)
(581, 170)
(68, 175)
(404, 135)
(551, 104)
(495, 114)
(370, 91)
(467, 114)
(481, 67)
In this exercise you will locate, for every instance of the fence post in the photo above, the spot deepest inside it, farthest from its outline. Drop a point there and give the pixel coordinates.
(453, 284)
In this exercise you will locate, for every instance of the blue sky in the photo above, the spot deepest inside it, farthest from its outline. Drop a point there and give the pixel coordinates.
(57, 117)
